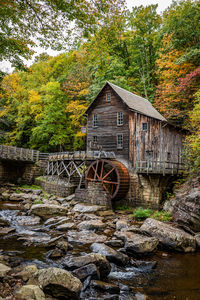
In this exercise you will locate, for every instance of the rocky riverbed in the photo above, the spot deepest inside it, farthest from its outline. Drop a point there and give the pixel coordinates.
(57, 248)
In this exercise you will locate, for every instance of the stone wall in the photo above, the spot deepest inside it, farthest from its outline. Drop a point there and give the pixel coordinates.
(94, 194)
(145, 191)
(60, 190)
(20, 172)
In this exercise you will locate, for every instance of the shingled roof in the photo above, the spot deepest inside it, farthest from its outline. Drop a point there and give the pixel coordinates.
(134, 102)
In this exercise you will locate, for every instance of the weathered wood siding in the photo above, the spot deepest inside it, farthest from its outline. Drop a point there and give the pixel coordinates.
(107, 128)
(160, 138)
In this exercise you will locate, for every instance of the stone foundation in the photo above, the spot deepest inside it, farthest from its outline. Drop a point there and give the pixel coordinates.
(56, 189)
(94, 194)
(20, 172)
(145, 191)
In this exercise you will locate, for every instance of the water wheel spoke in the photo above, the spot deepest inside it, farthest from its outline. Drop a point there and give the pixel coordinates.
(108, 173)
(110, 182)
(95, 173)
(91, 179)
(102, 165)
(105, 188)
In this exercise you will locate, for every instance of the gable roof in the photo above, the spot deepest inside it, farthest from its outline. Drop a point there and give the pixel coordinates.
(134, 102)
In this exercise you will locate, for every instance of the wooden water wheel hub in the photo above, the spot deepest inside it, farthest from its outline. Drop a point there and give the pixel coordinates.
(112, 174)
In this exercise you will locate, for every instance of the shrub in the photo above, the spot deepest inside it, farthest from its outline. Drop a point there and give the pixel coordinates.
(141, 213)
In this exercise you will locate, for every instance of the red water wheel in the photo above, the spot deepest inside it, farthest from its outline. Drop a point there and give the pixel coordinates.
(112, 174)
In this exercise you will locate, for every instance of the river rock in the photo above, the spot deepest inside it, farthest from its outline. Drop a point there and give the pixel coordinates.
(48, 210)
(4, 270)
(83, 208)
(114, 243)
(30, 292)
(111, 254)
(97, 225)
(169, 236)
(59, 283)
(27, 272)
(6, 230)
(66, 226)
(121, 224)
(197, 238)
(105, 287)
(85, 237)
(85, 271)
(186, 209)
(93, 258)
(4, 222)
(28, 220)
(137, 243)
(17, 197)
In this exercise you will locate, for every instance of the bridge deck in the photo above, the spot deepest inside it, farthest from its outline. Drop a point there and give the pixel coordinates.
(18, 154)
(80, 155)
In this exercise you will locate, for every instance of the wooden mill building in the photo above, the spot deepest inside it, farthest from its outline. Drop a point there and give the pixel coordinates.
(141, 138)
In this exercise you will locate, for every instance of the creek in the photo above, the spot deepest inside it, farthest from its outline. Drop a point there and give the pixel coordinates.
(176, 275)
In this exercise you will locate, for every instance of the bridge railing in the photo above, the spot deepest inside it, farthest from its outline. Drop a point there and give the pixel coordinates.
(159, 167)
(16, 153)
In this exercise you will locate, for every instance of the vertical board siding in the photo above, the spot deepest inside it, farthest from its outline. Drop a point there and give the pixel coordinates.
(107, 128)
(160, 138)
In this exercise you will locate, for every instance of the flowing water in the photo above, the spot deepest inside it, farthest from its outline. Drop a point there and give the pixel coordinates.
(176, 276)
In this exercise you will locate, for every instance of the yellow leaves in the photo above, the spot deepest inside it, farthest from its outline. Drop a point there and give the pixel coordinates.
(35, 104)
(10, 84)
(76, 110)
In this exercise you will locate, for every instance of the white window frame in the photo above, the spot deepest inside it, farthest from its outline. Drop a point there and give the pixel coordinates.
(108, 97)
(119, 145)
(143, 125)
(95, 120)
(120, 117)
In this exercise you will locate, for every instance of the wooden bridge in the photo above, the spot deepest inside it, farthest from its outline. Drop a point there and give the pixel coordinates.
(21, 154)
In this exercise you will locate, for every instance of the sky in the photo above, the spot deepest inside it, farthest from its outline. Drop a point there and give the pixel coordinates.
(162, 5)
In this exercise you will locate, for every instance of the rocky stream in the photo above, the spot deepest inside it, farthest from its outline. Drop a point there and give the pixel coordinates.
(57, 248)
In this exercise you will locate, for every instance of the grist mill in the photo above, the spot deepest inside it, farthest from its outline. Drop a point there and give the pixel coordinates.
(132, 154)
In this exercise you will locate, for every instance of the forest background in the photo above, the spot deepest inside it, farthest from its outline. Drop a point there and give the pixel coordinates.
(156, 56)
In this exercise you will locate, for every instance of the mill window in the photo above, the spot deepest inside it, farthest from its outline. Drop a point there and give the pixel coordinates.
(95, 120)
(108, 97)
(94, 139)
(119, 141)
(119, 118)
(168, 155)
(144, 126)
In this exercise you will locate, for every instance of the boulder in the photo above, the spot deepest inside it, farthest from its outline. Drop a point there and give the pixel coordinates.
(4, 222)
(6, 230)
(59, 283)
(85, 237)
(46, 211)
(169, 236)
(137, 243)
(121, 224)
(4, 270)
(111, 254)
(65, 226)
(30, 292)
(27, 272)
(186, 209)
(97, 225)
(93, 258)
(114, 243)
(28, 220)
(105, 287)
(197, 238)
(83, 208)
(85, 271)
